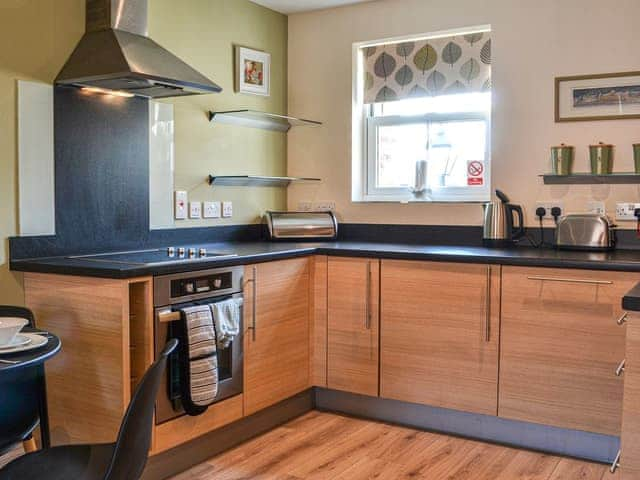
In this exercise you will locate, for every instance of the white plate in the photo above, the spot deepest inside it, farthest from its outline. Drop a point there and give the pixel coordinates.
(36, 342)
(18, 341)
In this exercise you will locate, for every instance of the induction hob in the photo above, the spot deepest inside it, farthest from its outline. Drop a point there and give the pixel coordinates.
(156, 256)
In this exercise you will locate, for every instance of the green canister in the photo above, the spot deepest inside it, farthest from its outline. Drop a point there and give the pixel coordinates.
(562, 159)
(601, 156)
(636, 156)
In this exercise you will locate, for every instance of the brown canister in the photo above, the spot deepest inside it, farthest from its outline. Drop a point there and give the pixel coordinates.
(601, 156)
(562, 159)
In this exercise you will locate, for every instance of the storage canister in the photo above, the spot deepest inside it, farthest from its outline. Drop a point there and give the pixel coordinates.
(601, 156)
(636, 156)
(562, 159)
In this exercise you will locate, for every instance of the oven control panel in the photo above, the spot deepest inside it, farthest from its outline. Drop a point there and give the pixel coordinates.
(186, 287)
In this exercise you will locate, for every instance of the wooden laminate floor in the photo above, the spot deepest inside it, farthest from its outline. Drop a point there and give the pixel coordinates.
(327, 446)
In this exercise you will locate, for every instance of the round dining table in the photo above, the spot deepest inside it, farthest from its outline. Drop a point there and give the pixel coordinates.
(12, 365)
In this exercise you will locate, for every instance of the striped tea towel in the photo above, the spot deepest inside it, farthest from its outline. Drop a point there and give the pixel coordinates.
(202, 354)
(226, 318)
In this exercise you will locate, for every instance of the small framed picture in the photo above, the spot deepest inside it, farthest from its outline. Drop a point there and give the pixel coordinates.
(609, 96)
(253, 71)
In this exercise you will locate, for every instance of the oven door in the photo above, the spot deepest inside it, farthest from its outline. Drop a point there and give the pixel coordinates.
(168, 402)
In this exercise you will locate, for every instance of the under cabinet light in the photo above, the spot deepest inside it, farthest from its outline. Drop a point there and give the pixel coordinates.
(104, 91)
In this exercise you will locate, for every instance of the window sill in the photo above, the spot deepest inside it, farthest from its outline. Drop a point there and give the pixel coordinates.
(411, 199)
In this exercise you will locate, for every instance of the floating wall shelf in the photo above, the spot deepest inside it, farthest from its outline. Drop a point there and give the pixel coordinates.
(257, 119)
(590, 179)
(255, 181)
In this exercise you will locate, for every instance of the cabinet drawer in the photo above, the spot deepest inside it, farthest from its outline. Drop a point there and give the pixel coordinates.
(560, 346)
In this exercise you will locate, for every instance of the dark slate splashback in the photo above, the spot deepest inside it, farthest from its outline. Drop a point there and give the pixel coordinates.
(101, 169)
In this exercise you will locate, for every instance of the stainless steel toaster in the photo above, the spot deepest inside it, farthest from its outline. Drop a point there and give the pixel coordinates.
(585, 231)
(302, 225)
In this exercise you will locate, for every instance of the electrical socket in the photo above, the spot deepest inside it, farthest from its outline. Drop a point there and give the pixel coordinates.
(195, 209)
(624, 211)
(305, 206)
(549, 205)
(227, 209)
(211, 209)
(596, 206)
(324, 206)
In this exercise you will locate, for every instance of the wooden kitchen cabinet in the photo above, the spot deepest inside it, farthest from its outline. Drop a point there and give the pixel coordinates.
(353, 324)
(106, 330)
(440, 334)
(276, 336)
(561, 346)
(630, 447)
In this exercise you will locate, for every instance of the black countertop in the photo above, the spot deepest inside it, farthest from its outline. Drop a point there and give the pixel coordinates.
(631, 301)
(253, 252)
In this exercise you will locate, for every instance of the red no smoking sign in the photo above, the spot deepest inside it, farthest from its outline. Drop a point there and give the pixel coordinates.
(475, 172)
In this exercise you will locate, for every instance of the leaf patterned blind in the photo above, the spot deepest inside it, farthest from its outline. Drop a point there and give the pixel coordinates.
(437, 66)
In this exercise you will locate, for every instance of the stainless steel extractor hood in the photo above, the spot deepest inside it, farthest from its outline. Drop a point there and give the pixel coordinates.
(115, 54)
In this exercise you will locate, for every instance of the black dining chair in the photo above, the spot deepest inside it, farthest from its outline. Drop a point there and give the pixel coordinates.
(123, 460)
(22, 396)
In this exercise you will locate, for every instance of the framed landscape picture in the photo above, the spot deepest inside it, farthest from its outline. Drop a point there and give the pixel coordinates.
(253, 71)
(609, 96)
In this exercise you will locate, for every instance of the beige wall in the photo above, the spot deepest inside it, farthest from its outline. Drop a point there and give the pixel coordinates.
(533, 42)
(36, 37)
(203, 32)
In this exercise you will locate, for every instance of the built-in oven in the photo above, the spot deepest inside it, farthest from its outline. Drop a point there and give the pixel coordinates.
(171, 293)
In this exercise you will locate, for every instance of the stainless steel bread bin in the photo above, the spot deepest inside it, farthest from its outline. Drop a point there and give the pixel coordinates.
(302, 225)
(585, 231)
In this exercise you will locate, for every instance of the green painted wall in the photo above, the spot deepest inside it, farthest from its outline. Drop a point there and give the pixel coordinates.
(203, 33)
(37, 36)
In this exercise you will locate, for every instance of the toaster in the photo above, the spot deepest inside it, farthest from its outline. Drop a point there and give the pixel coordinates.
(585, 231)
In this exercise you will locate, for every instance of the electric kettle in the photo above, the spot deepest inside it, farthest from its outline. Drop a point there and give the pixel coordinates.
(499, 228)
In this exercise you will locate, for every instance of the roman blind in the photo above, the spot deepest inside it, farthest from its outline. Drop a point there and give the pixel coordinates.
(436, 66)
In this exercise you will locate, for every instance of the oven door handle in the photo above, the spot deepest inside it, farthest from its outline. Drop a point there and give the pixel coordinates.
(169, 316)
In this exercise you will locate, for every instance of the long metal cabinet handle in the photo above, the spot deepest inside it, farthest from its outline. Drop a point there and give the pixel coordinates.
(620, 368)
(487, 319)
(367, 305)
(254, 287)
(623, 318)
(570, 280)
(616, 463)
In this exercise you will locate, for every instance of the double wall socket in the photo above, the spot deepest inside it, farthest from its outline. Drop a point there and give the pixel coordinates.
(316, 206)
(549, 205)
(624, 211)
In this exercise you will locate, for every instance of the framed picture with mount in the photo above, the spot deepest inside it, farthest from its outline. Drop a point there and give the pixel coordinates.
(253, 71)
(606, 96)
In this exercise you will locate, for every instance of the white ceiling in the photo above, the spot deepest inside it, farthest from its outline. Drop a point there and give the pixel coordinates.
(296, 6)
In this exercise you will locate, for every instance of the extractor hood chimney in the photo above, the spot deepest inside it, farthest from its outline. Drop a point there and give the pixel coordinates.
(116, 55)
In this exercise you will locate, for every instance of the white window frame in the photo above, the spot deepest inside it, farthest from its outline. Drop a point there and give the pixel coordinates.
(439, 194)
(363, 121)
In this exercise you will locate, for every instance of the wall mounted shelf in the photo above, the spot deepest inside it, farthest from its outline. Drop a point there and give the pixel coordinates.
(590, 179)
(257, 119)
(255, 181)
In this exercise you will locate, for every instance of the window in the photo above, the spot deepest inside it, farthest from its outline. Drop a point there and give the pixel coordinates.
(423, 110)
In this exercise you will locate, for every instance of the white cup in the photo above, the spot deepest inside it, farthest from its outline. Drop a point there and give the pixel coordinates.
(9, 328)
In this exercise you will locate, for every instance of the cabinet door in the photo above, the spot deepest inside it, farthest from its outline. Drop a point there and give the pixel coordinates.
(276, 338)
(352, 350)
(440, 334)
(561, 346)
(630, 448)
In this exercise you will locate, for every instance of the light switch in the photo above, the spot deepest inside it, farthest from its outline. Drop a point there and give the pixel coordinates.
(211, 209)
(195, 209)
(180, 205)
(227, 209)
